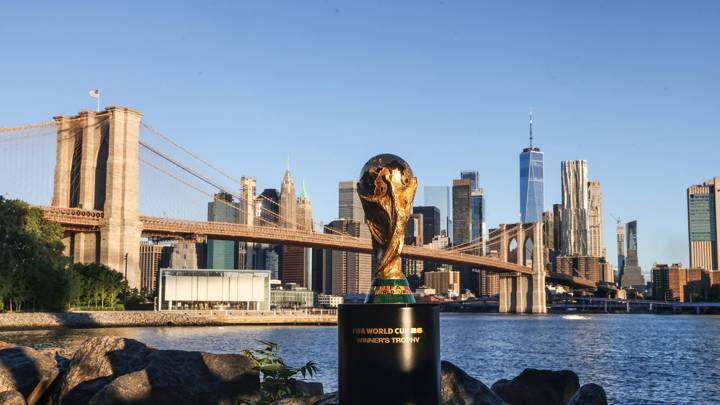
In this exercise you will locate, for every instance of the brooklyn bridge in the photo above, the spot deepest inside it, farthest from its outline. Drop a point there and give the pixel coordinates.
(109, 179)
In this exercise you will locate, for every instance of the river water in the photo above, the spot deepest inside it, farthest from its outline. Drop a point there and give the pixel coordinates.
(638, 359)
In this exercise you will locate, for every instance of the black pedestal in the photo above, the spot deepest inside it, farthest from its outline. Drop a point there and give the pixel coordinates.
(389, 354)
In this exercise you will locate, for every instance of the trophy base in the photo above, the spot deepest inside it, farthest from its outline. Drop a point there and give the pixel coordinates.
(390, 291)
(389, 354)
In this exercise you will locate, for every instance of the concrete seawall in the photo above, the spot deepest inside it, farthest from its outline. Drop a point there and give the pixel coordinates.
(105, 319)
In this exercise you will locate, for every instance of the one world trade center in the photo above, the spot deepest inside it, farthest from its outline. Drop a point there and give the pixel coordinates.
(531, 182)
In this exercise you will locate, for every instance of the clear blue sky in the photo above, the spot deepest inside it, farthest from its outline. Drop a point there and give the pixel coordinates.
(630, 86)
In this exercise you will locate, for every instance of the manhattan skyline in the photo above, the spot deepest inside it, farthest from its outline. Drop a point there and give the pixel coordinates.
(445, 86)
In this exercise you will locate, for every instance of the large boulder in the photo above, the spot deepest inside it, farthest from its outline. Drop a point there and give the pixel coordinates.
(12, 398)
(97, 362)
(174, 377)
(458, 388)
(111, 370)
(538, 387)
(328, 399)
(27, 371)
(589, 394)
(307, 389)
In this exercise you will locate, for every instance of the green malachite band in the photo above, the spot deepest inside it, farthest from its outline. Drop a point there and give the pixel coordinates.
(378, 298)
(390, 299)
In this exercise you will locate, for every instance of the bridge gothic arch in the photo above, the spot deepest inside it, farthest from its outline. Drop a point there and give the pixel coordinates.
(512, 250)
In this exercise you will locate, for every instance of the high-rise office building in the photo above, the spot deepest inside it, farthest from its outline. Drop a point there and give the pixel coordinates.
(414, 230)
(267, 213)
(294, 265)
(548, 219)
(478, 228)
(297, 263)
(221, 253)
(293, 259)
(557, 228)
(444, 282)
(288, 202)
(439, 196)
(574, 208)
(318, 271)
(632, 273)
(349, 206)
(477, 206)
(462, 229)
(531, 182)
(272, 263)
(593, 268)
(489, 283)
(351, 271)
(431, 221)
(461, 209)
(304, 211)
(620, 231)
(267, 208)
(412, 268)
(595, 219)
(153, 257)
(473, 176)
(703, 203)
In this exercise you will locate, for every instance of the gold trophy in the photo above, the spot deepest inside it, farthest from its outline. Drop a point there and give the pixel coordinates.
(387, 189)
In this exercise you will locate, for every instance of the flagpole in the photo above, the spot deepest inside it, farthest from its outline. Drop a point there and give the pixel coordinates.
(97, 100)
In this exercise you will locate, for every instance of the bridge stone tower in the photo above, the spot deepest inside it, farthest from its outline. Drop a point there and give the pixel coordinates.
(519, 293)
(97, 168)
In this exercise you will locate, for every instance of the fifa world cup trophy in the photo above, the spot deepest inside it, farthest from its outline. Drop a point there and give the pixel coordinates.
(387, 189)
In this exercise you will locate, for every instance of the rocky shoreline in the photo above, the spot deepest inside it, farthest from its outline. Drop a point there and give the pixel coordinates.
(113, 370)
(107, 319)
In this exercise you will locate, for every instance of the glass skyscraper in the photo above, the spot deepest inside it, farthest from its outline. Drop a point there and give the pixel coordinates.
(531, 185)
(473, 176)
(477, 204)
(632, 273)
(439, 196)
(531, 182)
(703, 202)
(477, 214)
(221, 253)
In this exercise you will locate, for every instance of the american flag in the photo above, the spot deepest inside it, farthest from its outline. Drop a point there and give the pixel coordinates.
(95, 93)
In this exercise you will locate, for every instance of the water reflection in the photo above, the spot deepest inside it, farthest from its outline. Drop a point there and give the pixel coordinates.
(637, 358)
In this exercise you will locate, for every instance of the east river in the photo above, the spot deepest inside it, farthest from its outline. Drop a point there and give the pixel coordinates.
(638, 359)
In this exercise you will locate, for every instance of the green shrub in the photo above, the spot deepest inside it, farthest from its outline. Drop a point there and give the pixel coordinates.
(277, 377)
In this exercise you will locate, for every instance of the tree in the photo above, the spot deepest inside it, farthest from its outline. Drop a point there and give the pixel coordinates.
(34, 273)
(32, 266)
(95, 285)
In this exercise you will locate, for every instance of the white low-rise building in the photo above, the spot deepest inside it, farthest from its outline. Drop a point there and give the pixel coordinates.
(329, 301)
(214, 289)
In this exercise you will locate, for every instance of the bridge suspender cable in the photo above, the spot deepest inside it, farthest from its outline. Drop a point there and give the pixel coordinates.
(198, 158)
(181, 166)
(210, 182)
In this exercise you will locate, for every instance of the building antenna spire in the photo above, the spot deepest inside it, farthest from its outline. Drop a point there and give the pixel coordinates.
(531, 139)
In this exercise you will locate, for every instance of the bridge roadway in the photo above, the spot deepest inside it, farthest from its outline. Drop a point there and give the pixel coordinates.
(78, 219)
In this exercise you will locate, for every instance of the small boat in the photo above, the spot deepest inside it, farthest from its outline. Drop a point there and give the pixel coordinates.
(575, 317)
